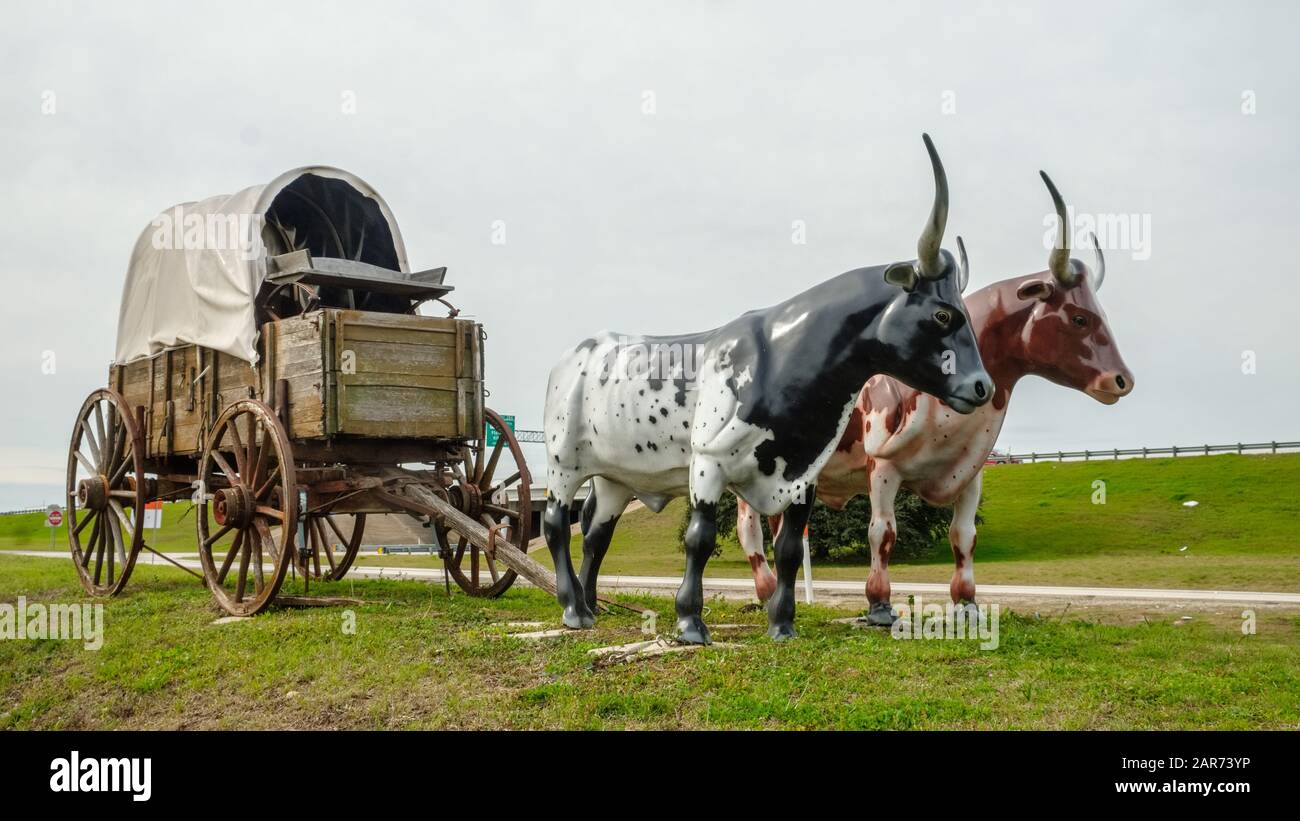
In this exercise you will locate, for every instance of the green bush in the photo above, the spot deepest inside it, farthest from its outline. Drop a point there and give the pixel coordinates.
(842, 534)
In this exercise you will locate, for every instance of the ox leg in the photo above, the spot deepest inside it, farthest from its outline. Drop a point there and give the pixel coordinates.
(961, 533)
(600, 515)
(882, 534)
(555, 526)
(788, 547)
(707, 486)
(750, 532)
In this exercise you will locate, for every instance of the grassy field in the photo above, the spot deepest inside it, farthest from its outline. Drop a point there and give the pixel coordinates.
(1041, 527)
(420, 659)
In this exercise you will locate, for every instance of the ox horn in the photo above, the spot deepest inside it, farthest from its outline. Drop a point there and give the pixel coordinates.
(927, 247)
(1058, 261)
(1101, 263)
(963, 271)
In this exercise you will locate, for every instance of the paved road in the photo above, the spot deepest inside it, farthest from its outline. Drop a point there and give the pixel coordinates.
(833, 589)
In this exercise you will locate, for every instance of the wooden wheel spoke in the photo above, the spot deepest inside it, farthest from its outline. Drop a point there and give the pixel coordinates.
(120, 473)
(485, 480)
(90, 545)
(258, 463)
(81, 525)
(241, 580)
(319, 545)
(252, 443)
(508, 481)
(119, 540)
(325, 542)
(337, 532)
(96, 454)
(231, 475)
(111, 532)
(258, 581)
(240, 456)
(104, 451)
(266, 486)
(263, 531)
(501, 510)
(85, 462)
(120, 513)
(97, 544)
(215, 537)
(230, 557)
(270, 512)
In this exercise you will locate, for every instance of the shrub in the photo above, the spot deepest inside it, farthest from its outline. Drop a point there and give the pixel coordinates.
(842, 534)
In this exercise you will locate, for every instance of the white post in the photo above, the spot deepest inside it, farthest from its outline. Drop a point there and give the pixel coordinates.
(807, 569)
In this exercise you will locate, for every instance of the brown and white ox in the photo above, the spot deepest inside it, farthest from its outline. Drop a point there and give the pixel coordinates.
(1048, 324)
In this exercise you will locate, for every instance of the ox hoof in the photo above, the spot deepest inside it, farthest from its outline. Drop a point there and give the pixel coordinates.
(576, 619)
(969, 608)
(692, 630)
(881, 615)
(782, 632)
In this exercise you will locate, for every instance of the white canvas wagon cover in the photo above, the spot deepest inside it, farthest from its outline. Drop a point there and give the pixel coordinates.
(197, 268)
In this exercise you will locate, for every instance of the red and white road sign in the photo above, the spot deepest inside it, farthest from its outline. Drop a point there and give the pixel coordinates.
(54, 518)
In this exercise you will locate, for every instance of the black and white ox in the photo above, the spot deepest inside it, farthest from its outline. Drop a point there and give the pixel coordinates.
(755, 407)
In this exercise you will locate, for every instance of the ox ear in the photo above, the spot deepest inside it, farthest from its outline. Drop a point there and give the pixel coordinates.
(1039, 289)
(904, 275)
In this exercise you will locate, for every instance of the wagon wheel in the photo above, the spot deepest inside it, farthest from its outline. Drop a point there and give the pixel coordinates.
(248, 509)
(331, 536)
(482, 495)
(105, 476)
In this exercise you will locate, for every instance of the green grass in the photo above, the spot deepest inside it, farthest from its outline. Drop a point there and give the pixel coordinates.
(27, 531)
(1041, 527)
(419, 659)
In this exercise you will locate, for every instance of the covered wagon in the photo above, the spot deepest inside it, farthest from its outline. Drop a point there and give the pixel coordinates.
(272, 365)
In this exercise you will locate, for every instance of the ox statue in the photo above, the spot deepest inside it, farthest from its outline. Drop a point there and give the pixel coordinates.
(756, 406)
(1048, 324)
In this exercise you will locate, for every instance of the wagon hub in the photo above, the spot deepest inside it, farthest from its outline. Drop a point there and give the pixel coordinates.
(233, 506)
(467, 498)
(92, 493)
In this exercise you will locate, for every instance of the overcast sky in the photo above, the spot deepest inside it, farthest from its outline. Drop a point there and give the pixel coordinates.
(650, 161)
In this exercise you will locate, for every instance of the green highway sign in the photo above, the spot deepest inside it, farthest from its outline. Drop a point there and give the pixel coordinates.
(493, 435)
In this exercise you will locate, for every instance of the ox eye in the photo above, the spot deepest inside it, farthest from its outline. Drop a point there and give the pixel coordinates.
(943, 317)
(1080, 321)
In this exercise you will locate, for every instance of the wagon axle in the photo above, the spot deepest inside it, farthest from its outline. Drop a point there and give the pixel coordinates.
(233, 506)
(92, 493)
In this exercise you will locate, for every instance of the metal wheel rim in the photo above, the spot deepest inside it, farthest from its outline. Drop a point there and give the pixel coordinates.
(249, 541)
(323, 532)
(106, 426)
(481, 465)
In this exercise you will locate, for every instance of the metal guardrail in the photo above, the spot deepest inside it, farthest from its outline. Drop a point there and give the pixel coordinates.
(21, 512)
(1144, 453)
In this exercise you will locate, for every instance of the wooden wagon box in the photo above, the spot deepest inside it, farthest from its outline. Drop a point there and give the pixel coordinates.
(331, 374)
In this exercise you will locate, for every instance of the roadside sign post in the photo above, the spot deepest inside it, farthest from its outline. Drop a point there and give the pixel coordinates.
(53, 519)
(153, 519)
